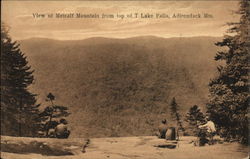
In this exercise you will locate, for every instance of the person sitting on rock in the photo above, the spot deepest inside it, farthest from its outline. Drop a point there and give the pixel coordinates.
(163, 129)
(210, 126)
(61, 129)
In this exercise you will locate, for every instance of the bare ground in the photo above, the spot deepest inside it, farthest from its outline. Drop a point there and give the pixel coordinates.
(143, 147)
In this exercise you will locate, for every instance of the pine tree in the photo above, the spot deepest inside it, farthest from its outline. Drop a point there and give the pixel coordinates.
(18, 106)
(194, 117)
(229, 96)
(174, 109)
(49, 115)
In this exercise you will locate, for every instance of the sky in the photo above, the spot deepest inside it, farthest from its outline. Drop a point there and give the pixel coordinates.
(18, 15)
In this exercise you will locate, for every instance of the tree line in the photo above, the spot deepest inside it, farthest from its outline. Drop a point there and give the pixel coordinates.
(229, 90)
(20, 113)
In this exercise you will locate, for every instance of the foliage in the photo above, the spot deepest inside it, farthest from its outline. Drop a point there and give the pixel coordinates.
(229, 96)
(51, 97)
(174, 109)
(125, 82)
(19, 111)
(49, 115)
(195, 117)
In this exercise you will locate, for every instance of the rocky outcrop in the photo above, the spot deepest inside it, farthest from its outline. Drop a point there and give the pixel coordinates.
(44, 146)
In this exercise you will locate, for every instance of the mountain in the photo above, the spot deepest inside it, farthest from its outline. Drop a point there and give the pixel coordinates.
(121, 87)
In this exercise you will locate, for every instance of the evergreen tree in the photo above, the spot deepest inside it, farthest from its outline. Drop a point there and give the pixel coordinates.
(50, 114)
(18, 109)
(174, 109)
(194, 117)
(229, 96)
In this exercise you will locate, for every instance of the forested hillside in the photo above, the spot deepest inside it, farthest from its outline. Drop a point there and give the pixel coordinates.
(121, 87)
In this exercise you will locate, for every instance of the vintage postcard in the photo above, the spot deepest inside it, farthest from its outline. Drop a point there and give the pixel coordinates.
(124, 79)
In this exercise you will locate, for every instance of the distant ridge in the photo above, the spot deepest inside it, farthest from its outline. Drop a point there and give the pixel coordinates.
(105, 38)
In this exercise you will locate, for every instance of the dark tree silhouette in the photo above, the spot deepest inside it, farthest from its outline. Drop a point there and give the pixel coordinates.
(194, 117)
(49, 115)
(229, 91)
(174, 109)
(18, 106)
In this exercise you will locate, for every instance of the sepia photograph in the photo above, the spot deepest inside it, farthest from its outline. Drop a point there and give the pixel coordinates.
(125, 79)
